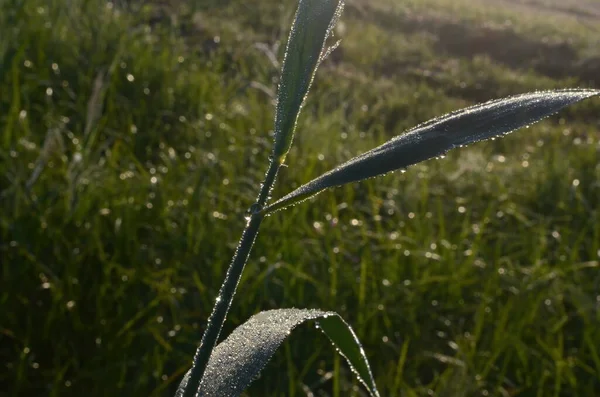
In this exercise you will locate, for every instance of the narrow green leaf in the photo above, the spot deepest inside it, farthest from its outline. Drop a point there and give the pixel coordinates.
(348, 345)
(312, 25)
(238, 360)
(437, 136)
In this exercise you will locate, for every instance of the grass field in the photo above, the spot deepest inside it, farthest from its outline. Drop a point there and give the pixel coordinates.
(133, 138)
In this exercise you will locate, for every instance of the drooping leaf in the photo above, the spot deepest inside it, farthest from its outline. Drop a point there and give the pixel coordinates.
(238, 360)
(437, 136)
(344, 338)
(312, 25)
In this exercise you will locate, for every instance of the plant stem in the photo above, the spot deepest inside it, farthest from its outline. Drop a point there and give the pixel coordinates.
(232, 278)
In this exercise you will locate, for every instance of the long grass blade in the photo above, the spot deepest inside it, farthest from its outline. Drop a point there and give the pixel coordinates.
(435, 137)
(305, 49)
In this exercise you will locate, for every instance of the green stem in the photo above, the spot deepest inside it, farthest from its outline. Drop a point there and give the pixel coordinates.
(227, 291)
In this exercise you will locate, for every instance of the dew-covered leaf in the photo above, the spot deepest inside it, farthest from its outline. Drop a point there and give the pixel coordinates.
(435, 137)
(305, 49)
(348, 345)
(238, 360)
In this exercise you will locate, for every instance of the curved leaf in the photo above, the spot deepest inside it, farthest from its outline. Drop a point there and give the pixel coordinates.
(437, 136)
(237, 361)
(305, 49)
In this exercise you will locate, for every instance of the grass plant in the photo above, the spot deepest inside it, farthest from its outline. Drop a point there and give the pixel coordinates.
(131, 146)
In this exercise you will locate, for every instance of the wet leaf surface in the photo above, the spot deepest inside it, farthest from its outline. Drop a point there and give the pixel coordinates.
(238, 360)
(435, 137)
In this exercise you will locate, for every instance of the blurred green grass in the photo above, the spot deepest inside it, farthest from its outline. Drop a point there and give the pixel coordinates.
(134, 136)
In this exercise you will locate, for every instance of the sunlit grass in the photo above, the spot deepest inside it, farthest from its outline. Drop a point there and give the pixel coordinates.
(126, 167)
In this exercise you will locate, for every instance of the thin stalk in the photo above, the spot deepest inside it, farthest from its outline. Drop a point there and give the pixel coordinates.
(232, 278)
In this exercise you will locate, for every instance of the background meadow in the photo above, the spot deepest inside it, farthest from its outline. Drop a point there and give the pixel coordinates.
(134, 135)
